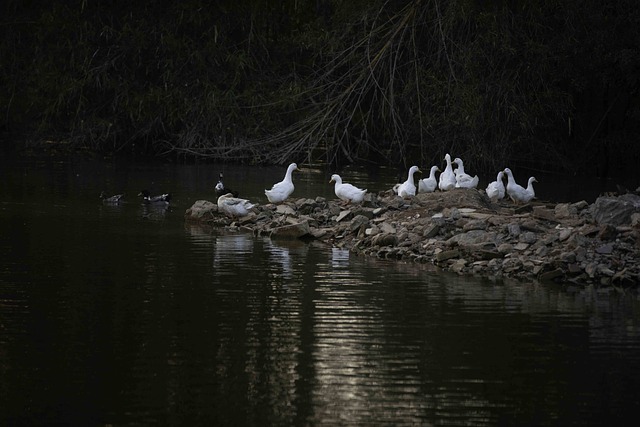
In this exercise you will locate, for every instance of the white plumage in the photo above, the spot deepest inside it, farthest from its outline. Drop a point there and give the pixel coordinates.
(283, 189)
(495, 189)
(463, 179)
(347, 192)
(234, 207)
(428, 185)
(447, 180)
(516, 192)
(408, 188)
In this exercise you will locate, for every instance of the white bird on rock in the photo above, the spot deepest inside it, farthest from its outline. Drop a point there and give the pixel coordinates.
(495, 189)
(516, 192)
(447, 180)
(463, 179)
(429, 185)
(347, 192)
(408, 188)
(234, 207)
(283, 189)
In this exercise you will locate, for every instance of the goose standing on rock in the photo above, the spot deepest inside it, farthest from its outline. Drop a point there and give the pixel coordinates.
(222, 190)
(516, 192)
(347, 192)
(233, 207)
(447, 180)
(408, 188)
(463, 179)
(495, 190)
(428, 185)
(283, 189)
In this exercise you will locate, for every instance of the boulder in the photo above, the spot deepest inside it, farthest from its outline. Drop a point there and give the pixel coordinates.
(615, 211)
(201, 210)
(291, 231)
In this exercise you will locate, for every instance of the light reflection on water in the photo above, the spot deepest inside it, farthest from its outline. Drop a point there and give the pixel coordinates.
(125, 315)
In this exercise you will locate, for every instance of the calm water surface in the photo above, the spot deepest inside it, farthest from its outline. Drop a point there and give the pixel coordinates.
(124, 315)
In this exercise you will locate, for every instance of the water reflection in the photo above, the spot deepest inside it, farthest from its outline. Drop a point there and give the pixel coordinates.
(154, 321)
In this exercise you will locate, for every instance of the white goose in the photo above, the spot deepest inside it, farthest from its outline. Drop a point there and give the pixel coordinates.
(495, 189)
(234, 207)
(428, 185)
(347, 192)
(516, 192)
(408, 188)
(463, 179)
(283, 189)
(447, 180)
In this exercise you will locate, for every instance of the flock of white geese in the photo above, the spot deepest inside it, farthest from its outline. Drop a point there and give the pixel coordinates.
(449, 179)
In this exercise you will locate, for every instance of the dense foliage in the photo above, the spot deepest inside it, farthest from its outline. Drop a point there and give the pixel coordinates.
(546, 83)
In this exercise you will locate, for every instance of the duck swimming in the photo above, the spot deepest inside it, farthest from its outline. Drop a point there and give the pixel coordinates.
(283, 189)
(111, 199)
(147, 198)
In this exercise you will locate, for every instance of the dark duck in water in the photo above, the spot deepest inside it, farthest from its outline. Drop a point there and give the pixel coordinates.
(156, 200)
(111, 199)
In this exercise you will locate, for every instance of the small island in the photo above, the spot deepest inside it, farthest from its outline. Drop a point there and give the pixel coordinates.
(463, 231)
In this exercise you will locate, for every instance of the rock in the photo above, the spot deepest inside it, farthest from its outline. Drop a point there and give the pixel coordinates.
(472, 237)
(521, 246)
(358, 221)
(565, 210)
(565, 233)
(615, 210)
(528, 237)
(292, 231)
(385, 227)
(385, 239)
(475, 224)
(431, 231)
(550, 275)
(505, 248)
(514, 229)
(201, 210)
(605, 249)
(543, 212)
(607, 232)
(458, 266)
(285, 210)
(445, 255)
(578, 206)
(343, 215)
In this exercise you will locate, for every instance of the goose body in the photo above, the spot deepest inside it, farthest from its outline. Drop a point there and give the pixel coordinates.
(147, 198)
(347, 192)
(429, 185)
(408, 188)
(234, 207)
(516, 192)
(283, 189)
(447, 180)
(463, 179)
(111, 199)
(495, 189)
(222, 190)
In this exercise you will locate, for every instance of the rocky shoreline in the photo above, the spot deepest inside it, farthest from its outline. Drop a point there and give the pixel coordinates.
(463, 231)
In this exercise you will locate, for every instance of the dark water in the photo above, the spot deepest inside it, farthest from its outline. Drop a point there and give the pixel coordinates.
(121, 315)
